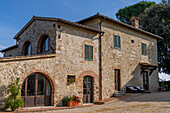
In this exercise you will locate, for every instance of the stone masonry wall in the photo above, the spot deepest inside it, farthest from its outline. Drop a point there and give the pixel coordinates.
(127, 58)
(70, 48)
(69, 60)
(11, 53)
(33, 34)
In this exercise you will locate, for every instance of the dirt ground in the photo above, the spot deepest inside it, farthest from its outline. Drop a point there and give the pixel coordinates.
(157, 102)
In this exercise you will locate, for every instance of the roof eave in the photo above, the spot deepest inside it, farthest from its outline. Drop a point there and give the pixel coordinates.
(56, 20)
(118, 22)
(9, 48)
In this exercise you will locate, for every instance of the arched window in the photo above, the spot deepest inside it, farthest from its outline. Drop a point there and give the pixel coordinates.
(36, 90)
(27, 48)
(45, 44)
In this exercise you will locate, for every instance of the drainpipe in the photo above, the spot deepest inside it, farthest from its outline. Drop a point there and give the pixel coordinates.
(100, 61)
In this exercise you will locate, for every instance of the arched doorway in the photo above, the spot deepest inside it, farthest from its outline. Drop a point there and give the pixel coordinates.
(88, 85)
(36, 90)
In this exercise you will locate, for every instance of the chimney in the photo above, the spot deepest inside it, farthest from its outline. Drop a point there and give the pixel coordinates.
(135, 22)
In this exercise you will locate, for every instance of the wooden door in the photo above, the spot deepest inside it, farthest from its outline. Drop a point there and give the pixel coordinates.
(36, 91)
(117, 79)
(88, 89)
(145, 80)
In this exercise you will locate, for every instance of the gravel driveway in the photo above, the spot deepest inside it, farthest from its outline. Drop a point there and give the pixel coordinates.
(157, 102)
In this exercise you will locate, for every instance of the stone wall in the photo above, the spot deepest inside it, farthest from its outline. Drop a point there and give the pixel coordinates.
(33, 34)
(68, 60)
(11, 53)
(126, 59)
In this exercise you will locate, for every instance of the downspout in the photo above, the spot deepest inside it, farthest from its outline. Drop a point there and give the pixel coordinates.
(100, 60)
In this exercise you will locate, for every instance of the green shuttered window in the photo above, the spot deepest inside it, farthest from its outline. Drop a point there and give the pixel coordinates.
(117, 42)
(88, 52)
(143, 49)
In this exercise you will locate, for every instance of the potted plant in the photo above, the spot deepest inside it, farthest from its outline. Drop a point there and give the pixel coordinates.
(71, 101)
(14, 101)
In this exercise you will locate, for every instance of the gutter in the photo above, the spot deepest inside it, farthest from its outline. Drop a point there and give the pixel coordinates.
(100, 61)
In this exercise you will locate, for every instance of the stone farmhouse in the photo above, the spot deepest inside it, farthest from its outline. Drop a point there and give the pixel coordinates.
(94, 58)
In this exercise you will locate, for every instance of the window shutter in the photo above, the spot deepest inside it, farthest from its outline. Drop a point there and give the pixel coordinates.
(86, 52)
(91, 53)
(119, 42)
(144, 50)
(115, 41)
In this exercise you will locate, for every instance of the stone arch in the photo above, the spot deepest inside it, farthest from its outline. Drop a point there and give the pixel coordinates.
(24, 46)
(79, 84)
(40, 40)
(48, 77)
(85, 73)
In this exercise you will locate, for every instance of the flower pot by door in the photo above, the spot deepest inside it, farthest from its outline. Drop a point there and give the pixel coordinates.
(72, 103)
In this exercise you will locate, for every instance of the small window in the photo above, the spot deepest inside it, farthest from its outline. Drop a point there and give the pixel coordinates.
(117, 42)
(27, 48)
(88, 52)
(70, 79)
(10, 55)
(143, 48)
(59, 26)
(53, 25)
(132, 41)
(45, 44)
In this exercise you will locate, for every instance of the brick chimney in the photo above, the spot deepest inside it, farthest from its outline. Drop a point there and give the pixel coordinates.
(135, 22)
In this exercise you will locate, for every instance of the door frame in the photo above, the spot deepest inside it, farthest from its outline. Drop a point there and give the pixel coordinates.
(36, 83)
(147, 75)
(119, 88)
(92, 89)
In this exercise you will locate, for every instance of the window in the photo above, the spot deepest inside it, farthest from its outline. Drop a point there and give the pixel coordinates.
(45, 44)
(88, 52)
(27, 48)
(117, 42)
(70, 79)
(144, 50)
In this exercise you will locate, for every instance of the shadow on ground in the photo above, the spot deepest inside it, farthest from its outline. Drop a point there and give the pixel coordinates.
(152, 97)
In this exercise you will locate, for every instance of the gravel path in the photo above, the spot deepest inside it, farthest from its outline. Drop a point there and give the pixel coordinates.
(158, 102)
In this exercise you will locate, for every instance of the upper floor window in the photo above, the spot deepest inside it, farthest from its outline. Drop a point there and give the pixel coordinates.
(88, 52)
(27, 48)
(143, 48)
(117, 42)
(45, 44)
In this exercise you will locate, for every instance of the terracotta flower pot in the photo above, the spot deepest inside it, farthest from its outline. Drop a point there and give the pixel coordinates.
(72, 103)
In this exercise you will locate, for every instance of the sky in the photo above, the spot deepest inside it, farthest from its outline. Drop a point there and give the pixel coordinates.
(14, 14)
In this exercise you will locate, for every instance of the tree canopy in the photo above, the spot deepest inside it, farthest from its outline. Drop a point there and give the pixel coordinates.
(125, 14)
(157, 21)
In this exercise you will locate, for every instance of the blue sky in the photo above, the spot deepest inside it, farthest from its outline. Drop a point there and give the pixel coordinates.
(14, 14)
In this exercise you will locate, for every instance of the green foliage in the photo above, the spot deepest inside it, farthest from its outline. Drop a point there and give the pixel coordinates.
(157, 21)
(165, 84)
(14, 100)
(65, 100)
(125, 14)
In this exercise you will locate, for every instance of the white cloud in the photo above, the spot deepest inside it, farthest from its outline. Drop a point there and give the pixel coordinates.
(164, 77)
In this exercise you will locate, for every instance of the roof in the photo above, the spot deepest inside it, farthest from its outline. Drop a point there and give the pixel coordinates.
(56, 20)
(148, 64)
(9, 48)
(117, 22)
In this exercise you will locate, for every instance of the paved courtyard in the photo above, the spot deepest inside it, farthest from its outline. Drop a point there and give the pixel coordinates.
(158, 102)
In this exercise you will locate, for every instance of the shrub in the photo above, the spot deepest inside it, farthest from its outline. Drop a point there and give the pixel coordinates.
(14, 100)
(65, 100)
